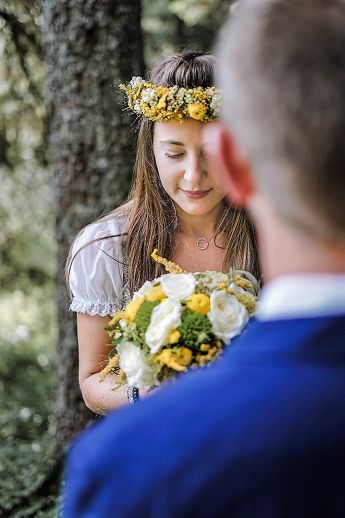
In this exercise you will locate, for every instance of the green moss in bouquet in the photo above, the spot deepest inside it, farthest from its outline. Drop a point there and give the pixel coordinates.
(196, 329)
(143, 317)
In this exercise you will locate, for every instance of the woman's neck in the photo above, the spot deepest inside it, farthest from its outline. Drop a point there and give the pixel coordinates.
(199, 225)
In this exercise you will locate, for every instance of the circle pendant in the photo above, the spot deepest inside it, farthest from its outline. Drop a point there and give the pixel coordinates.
(202, 243)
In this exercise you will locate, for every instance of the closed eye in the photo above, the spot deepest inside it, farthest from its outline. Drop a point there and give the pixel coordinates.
(173, 156)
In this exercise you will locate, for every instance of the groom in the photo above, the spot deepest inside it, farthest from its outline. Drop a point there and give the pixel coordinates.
(262, 433)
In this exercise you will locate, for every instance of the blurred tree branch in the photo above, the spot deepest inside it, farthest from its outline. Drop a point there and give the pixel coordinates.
(19, 29)
(24, 40)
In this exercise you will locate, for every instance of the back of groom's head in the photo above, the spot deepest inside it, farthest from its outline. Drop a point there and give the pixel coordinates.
(282, 71)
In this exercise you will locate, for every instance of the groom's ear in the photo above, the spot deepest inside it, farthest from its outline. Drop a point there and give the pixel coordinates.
(227, 165)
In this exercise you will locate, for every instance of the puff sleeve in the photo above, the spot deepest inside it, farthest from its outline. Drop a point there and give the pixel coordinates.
(96, 271)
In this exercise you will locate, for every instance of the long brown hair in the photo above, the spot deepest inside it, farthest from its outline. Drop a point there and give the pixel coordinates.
(152, 219)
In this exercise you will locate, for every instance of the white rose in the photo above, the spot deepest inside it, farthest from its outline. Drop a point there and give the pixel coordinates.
(147, 95)
(178, 285)
(146, 287)
(134, 364)
(165, 317)
(227, 315)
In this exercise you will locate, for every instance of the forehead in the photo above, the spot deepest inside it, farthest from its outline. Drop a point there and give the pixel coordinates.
(184, 132)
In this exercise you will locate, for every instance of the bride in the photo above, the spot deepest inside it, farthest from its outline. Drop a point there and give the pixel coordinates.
(175, 206)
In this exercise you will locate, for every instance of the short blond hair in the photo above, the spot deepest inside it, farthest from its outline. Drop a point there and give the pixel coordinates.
(282, 71)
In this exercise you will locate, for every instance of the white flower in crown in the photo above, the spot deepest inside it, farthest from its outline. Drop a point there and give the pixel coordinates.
(215, 104)
(164, 319)
(178, 285)
(136, 107)
(180, 94)
(134, 364)
(135, 81)
(147, 95)
(227, 315)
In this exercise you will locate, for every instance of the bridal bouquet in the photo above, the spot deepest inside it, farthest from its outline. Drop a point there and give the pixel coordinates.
(178, 322)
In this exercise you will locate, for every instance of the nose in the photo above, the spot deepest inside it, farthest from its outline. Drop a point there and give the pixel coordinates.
(194, 171)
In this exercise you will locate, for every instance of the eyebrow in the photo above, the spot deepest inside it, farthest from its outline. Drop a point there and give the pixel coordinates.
(174, 142)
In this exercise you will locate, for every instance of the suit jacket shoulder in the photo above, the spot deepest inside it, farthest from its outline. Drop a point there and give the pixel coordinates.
(260, 433)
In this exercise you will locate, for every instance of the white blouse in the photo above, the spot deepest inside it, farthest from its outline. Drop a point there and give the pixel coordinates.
(96, 278)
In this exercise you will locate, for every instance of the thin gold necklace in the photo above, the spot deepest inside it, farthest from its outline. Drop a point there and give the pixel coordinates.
(202, 242)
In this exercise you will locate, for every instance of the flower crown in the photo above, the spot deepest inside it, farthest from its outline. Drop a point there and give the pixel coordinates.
(161, 103)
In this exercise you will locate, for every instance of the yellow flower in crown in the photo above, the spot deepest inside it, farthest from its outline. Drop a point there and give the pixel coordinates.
(162, 103)
(197, 111)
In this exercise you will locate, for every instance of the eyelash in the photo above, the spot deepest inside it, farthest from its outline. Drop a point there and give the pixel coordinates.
(174, 156)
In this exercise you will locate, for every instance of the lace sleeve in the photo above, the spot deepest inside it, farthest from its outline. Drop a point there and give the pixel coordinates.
(96, 272)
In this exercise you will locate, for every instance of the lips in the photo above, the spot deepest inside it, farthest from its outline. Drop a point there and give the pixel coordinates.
(196, 194)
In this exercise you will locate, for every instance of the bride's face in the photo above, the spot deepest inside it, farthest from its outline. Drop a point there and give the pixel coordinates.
(182, 166)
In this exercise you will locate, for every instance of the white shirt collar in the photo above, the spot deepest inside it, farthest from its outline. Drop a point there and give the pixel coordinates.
(302, 295)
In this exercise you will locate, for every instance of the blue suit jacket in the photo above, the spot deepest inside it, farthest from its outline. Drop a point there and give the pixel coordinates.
(259, 434)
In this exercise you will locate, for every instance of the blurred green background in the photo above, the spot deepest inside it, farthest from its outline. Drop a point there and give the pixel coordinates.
(28, 331)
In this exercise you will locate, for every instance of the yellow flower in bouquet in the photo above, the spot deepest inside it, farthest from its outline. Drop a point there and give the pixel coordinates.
(199, 303)
(179, 321)
(133, 308)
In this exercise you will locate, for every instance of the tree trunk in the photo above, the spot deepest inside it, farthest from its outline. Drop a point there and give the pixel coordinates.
(89, 45)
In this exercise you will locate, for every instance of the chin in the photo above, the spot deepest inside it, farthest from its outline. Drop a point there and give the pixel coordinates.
(197, 208)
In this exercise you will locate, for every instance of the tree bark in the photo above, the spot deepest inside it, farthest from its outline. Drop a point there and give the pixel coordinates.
(89, 45)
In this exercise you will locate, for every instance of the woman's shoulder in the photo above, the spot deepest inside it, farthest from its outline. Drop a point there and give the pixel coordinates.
(115, 221)
(108, 230)
(96, 266)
